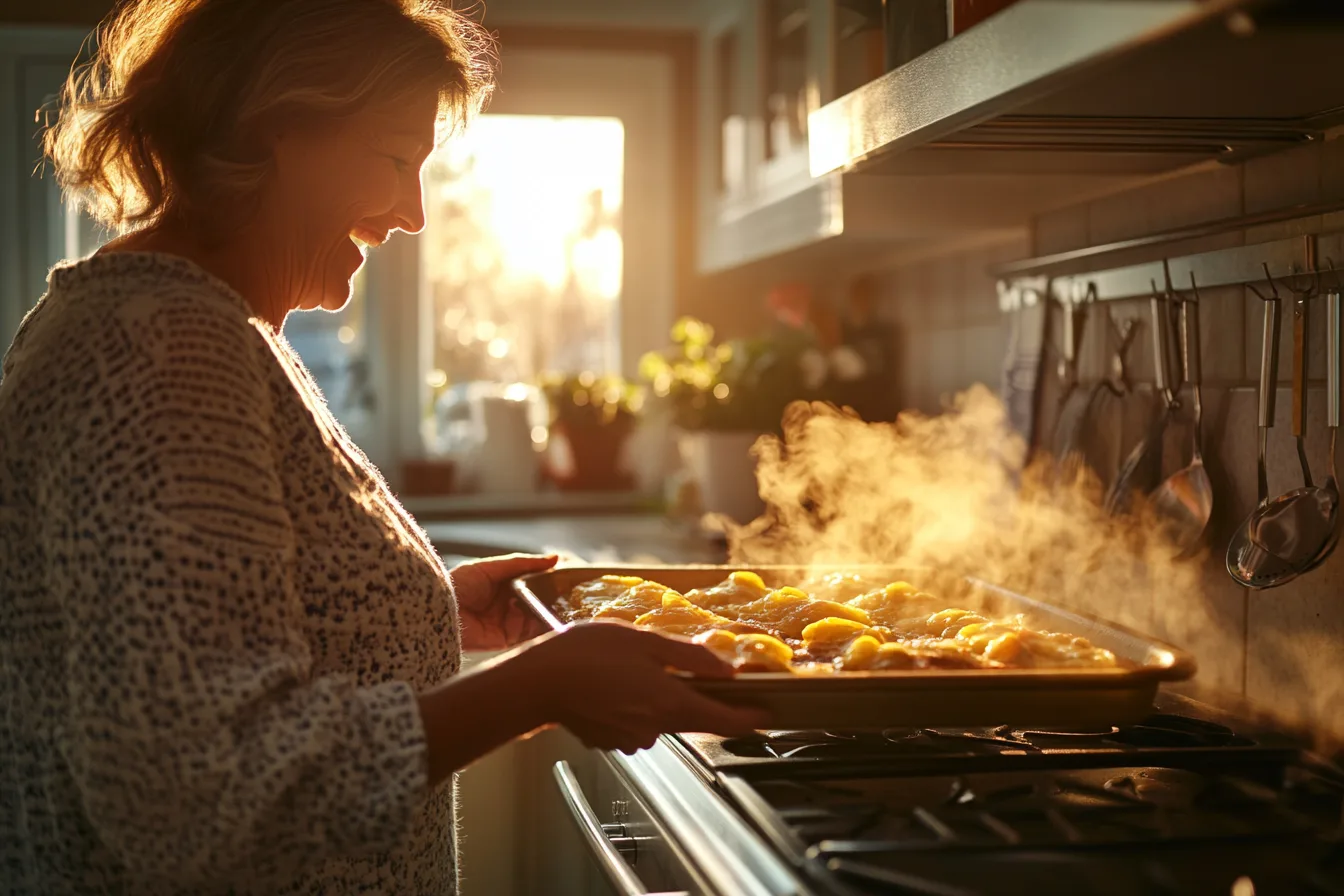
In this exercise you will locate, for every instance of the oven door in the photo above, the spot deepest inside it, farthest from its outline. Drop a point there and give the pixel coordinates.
(624, 839)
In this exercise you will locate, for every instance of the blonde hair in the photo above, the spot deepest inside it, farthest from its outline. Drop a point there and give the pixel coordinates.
(169, 116)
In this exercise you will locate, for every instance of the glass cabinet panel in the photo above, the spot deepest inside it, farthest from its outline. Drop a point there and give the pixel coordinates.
(858, 44)
(784, 60)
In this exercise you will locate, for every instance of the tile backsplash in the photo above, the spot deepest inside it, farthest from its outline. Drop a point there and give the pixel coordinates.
(1282, 649)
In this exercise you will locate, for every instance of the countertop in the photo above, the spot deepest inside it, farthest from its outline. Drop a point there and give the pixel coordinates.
(635, 538)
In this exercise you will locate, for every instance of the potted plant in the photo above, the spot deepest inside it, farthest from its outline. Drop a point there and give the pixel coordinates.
(592, 418)
(723, 396)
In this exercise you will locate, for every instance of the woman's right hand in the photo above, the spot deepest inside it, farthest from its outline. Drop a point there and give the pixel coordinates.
(609, 684)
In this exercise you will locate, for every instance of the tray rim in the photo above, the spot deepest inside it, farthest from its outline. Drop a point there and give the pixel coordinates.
(1179, 665)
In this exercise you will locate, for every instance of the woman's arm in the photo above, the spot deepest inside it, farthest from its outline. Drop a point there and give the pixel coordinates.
(606, 682)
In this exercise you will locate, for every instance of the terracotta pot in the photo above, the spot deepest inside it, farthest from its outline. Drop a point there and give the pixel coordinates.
(427, 476)
(590, 456)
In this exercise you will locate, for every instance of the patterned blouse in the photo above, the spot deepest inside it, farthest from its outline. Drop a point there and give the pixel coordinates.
(214, 616)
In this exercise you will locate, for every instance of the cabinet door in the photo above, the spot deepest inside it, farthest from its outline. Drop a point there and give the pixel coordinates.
(34, 62)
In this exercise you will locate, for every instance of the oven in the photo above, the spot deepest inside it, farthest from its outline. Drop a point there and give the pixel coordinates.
(652, 824)
(635, 857)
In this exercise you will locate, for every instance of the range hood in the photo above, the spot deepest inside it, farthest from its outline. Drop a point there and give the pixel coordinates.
(1102, 87)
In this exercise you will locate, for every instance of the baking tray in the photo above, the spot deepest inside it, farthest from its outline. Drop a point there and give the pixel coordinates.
(1036, 698)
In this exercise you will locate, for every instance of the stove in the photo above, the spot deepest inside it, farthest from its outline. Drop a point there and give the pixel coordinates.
(1186, 802)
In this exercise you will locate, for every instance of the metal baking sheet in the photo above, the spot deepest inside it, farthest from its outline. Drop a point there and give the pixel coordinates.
(1041, 698)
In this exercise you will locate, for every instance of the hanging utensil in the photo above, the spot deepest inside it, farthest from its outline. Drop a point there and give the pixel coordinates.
(1069, 419)
(1139, 472)
(1332, 417)
(1247, 562)
(1283, 536)
(1185, 500)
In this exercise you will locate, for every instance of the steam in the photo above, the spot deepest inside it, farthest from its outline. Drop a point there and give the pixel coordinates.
(956, 493)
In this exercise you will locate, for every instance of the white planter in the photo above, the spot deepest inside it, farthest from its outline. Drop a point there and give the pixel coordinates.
(725, 472)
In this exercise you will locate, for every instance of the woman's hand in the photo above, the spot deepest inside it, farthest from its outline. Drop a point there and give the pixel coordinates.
(609, 684)
(492, 617)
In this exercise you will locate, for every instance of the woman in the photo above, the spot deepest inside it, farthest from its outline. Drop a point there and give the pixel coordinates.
(229, 655)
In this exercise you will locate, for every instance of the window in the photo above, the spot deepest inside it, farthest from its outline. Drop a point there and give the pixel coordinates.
(521, 257)
(522, 249)
(335, 349)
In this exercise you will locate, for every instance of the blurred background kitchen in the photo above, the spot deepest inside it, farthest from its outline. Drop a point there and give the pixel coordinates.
(677, 217)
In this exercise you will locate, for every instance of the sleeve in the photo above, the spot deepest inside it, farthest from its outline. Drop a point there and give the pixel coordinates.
(200, 740)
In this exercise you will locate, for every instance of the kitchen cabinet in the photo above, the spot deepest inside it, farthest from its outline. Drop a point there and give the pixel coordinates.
(765, 66)
(767, 69)
(1042, 87)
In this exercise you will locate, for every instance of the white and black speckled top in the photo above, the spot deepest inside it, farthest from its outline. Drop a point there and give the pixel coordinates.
(214, 616)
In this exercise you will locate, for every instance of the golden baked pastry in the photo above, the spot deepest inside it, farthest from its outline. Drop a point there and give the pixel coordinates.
(749, 652)
(587, 599)
(788, 611)
(847, 625)
(678, 616)
(634, 602)
(729, 596)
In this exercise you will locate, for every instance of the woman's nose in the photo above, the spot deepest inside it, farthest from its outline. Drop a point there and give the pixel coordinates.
(410, 209)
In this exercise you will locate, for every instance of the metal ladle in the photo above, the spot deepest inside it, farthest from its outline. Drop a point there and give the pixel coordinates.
(1137, 467)
(1284, 536)
(1185, 500)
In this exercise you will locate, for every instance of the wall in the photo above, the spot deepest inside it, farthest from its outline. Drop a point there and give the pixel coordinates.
(1282, 649)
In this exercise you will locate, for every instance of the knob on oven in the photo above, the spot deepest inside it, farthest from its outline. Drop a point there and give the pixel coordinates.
(624, 844)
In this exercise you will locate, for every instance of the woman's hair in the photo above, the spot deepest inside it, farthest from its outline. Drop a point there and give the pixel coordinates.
(170, 116)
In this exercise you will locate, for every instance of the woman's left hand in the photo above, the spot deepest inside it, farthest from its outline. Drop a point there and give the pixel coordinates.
(492, 617)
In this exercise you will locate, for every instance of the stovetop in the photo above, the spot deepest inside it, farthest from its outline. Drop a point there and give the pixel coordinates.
(1177, 804)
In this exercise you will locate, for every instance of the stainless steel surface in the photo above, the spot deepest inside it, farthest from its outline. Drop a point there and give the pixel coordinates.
(1296, 526)
(1300, 318)
(1068, 262)
(867, 700)
(610, 860)
(1141, 470)
(1247, 562)
(1286, 259)
(1269, 379)
(1123, 85)
(1185, 500)
(1075, 322)
(1070, 420)
(691, 837)
(1284, 536)
(1333, 384)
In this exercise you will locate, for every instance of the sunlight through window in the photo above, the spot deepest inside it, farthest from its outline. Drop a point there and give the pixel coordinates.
(522, 249)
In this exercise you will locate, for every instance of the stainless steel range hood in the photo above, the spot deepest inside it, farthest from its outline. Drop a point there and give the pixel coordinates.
(1097, 87)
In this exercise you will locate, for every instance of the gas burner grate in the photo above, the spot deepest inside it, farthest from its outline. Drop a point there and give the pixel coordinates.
(1161, 731)
(1133, 829)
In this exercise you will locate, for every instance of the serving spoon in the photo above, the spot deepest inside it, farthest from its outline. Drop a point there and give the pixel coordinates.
(1185, 500)
(1285, 536)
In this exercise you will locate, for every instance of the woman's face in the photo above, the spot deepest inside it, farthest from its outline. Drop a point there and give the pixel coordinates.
(342, 186)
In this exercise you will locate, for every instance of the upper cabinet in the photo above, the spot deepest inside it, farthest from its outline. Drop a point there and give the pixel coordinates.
(928, 120)
(1087, 86)
(770, 69)
(766, 67)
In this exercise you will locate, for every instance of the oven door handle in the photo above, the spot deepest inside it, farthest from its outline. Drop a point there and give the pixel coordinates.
(617, 870)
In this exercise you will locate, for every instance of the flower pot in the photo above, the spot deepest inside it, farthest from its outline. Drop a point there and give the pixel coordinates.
(423, 477)
(587, 455)
(723, 467)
